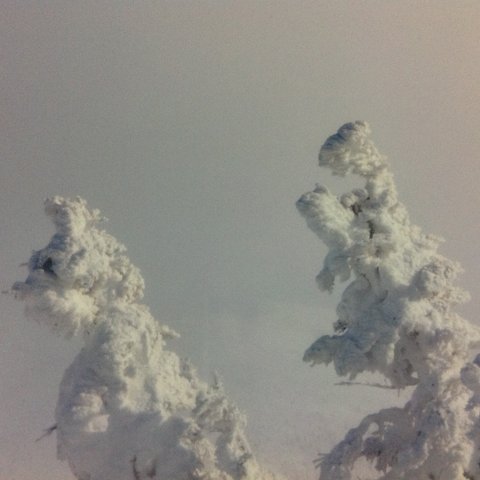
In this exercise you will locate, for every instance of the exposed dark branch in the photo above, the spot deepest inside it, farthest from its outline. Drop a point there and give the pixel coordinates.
(47, 266)
(356, 208)
(367, 384)
(136, 473)
(47, 432)
(371, 228)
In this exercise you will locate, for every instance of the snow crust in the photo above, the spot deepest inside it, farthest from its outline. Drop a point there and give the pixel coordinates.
(128, 408)
(395, 317)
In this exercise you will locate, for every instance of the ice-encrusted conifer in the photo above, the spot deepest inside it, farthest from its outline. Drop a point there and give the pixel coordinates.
(395, 317)
(128, 408)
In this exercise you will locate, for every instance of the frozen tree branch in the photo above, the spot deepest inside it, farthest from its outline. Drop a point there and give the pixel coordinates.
(395, 317)
(128, 407)
(47, 432)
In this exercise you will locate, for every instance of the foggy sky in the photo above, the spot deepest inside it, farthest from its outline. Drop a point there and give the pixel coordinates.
(194, 127)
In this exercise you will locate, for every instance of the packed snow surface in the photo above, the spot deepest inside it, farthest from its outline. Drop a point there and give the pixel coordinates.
(128, 407)
(395, 317)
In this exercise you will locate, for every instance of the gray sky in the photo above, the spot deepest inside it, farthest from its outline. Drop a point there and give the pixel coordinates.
(194, 127)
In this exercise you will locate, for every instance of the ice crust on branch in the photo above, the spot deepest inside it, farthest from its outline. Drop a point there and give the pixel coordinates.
(128, 408)
(395, 317)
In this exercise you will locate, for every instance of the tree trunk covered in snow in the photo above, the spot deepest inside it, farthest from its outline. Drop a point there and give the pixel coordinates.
(128, 408)
(395, 317)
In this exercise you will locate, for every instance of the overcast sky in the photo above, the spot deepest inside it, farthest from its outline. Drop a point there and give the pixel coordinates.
(194, 126)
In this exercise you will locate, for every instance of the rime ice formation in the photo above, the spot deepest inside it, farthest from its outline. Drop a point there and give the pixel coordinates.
(128, 408)
(395, 317)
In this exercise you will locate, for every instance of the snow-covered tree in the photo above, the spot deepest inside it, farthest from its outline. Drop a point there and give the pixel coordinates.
(128, 408)
(395, 317)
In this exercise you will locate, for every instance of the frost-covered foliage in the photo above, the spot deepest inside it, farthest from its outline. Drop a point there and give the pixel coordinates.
(395, 317)
(128, 408)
